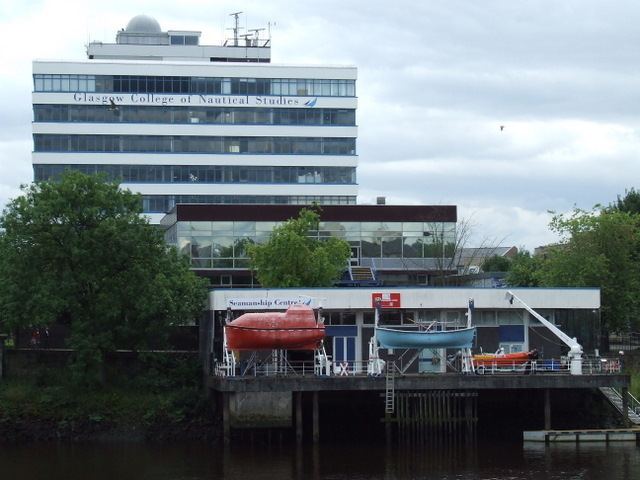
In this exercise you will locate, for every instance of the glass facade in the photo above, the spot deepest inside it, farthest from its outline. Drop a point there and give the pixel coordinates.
(205, 173)
(194, 144)
(164, 203)
(194, 115)
(194, 85)
(223, 244)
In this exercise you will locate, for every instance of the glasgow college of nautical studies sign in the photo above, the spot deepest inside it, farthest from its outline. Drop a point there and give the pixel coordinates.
(83, 98)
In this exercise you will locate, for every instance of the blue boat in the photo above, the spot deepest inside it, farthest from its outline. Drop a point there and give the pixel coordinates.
(394, 338)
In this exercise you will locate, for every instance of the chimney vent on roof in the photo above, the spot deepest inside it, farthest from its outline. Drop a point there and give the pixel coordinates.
(381, 200)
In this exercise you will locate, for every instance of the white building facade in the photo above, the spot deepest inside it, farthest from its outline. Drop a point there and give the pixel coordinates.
(179, 122)
(349, 316)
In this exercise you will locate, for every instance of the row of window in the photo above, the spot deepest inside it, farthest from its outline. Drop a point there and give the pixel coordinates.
(193, 85)
(212, 115)
(205, 173)
(370, 247)
(184, 39)
(194, 144)
(422, 230)
(164, 203)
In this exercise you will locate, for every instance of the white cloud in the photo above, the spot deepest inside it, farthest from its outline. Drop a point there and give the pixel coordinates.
(436, 80)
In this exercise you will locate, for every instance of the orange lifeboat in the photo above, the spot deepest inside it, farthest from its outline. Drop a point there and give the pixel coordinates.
(295, 329)
(504, 359)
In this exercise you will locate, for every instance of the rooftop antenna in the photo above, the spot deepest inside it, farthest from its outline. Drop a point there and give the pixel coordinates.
(247, 39)
(235, 29)
(257, 31)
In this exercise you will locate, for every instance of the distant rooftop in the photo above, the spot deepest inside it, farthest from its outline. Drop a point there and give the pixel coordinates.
(144, 39)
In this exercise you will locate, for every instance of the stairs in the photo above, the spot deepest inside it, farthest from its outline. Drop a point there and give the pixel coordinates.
(616, 400)
(362, 274)
(358, 276)
(390, 396)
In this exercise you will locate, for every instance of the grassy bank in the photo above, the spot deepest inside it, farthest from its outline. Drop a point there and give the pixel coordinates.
(162, 401)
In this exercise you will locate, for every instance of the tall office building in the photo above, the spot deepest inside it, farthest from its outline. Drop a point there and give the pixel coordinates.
(181, 122)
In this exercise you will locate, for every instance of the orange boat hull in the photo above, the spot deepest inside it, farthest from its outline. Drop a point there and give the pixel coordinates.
(504, 360)
(296, 329)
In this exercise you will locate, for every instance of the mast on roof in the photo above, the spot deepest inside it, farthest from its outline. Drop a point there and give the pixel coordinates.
(236, 28)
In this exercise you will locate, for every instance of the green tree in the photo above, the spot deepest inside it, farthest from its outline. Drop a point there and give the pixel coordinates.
(294, 257)
(525, 270)
(599, 249)
(630, 203)
(78, 252)
(496, 263)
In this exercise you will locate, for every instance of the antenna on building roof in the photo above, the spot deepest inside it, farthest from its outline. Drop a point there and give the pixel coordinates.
(237, 28)
(247, 38)
(256, 32)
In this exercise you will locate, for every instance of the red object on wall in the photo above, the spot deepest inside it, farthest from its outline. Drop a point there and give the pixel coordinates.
(387, 300)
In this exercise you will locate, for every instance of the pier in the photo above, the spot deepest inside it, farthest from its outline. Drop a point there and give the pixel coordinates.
(577, 436)
(444, 402)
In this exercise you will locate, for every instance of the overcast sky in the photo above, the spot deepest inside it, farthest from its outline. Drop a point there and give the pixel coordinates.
(436, 79)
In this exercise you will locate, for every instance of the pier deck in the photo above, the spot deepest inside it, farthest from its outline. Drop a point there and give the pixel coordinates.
(595, 435)
(418, 382)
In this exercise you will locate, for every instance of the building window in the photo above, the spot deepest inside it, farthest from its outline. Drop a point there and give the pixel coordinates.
(194, 144)
(193, 85)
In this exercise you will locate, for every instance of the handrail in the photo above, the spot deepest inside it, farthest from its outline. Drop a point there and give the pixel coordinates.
(626, 342)
(351, 368)
(634, 403)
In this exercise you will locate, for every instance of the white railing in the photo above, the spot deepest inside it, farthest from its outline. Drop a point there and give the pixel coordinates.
(634, 403)
(551, 366)
(597, 366)
(625, 342)
(602, 365)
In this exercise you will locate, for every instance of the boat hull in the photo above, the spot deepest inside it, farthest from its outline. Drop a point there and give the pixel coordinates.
(392, 338)
(296, 329)
(504, 360)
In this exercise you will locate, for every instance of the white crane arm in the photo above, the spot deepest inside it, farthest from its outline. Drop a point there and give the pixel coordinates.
(572, 343)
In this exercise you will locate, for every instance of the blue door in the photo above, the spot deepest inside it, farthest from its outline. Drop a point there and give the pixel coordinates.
(344, 350)
(344, 346)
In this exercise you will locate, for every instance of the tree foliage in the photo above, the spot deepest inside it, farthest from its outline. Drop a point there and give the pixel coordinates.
(78, 252)
(630, 203)
(292, 257)
(496, 263)
(598, 249)
(525, 270)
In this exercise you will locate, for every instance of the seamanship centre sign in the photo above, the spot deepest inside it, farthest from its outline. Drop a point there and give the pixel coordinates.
(271, 303)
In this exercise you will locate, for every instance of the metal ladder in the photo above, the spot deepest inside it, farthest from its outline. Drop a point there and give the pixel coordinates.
(616, 400)
(390, 396)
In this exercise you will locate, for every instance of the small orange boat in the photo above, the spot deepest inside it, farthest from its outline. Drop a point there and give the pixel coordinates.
(295, 329)
(504, 359)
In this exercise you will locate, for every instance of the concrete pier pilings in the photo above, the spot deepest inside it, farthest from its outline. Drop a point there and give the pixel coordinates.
(421, 416)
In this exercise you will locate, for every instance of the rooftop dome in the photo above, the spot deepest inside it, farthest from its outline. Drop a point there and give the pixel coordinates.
(143, 24)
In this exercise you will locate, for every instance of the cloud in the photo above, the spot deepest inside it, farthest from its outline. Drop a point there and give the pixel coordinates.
(436, 80)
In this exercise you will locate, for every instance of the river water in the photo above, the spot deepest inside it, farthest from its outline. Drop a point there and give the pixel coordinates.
(615, 461)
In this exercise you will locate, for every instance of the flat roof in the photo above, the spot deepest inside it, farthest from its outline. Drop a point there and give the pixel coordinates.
(410, 297)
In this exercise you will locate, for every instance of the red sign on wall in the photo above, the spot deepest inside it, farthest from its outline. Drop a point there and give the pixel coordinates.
(387, 300)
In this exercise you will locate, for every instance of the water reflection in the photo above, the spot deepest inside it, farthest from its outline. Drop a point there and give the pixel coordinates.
(326, 462)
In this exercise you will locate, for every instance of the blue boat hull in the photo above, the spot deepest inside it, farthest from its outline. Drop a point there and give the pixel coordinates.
(392, 338)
